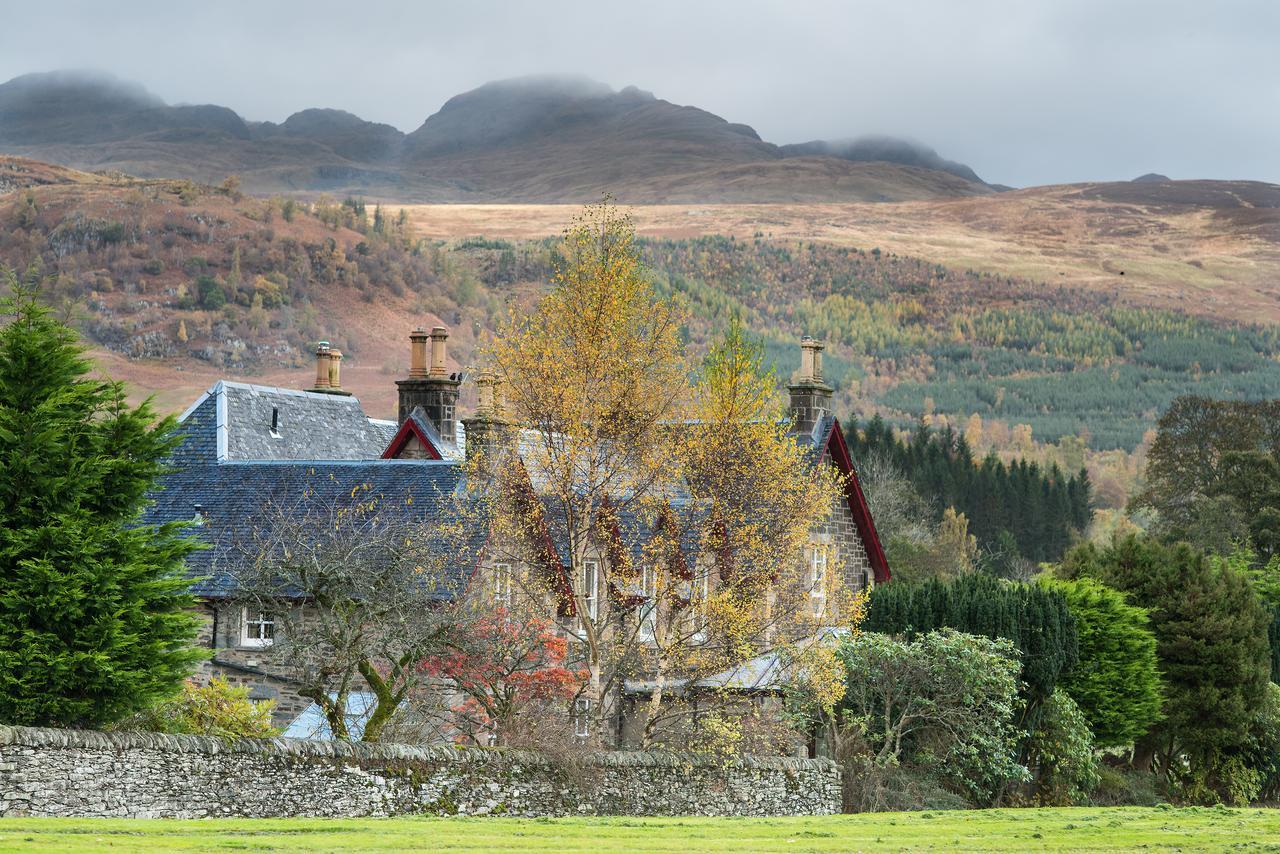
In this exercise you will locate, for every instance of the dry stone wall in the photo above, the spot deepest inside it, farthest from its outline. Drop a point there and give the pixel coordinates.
(46, 772)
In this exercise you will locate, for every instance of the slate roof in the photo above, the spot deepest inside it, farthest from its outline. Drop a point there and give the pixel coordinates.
(313, 724)
(231, 472)
(417, 424)
(233, 421)
(816, 441)
(234, 501)
(764, 673)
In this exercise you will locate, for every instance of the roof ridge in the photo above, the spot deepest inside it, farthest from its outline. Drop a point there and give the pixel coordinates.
(295, 392)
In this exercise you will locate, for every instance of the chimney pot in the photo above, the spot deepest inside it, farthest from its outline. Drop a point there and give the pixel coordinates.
(484, 388)
(810, 360)
(322, 365)
(418, 353)
(335, 368)
(438, 337)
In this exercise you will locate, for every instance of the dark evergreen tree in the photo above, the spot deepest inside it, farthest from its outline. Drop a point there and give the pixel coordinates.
(1211, 639)
(94, 620)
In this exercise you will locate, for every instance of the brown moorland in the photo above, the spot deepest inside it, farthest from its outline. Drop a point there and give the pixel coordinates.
(1209, 248)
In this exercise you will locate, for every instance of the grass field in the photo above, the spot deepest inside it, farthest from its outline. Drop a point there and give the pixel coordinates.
(1084, 829)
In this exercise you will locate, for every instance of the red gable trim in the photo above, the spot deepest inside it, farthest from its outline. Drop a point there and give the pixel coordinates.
(408, 430)
(839, 452)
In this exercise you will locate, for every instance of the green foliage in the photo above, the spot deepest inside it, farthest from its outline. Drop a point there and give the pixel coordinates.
(1211, 639)
(1264, 750)
(1265, 580)
(945, 700)
(218, 709)
(1043, 511)
(94, 619)
(1125, 787)
(210, 293)
(1116, 683)
(1066, 769)
(1062, 370)
(1213, 474)
(1035, 619)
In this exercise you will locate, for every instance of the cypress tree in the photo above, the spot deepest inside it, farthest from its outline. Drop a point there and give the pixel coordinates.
(94, 620)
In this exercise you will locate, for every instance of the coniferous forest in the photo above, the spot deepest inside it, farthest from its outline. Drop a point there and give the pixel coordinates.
(1014, 507)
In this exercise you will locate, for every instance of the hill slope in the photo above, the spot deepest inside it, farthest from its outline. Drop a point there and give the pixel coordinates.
(1208, 248)
(524, 140)
(178, 284)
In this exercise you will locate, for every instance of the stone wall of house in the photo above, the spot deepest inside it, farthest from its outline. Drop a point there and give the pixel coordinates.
(840, 530)
(221, 631)
(45, 772)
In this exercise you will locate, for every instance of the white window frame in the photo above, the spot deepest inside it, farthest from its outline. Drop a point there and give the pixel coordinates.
(591, 587)
(649, 622)
(582, 718)
(819, 560)
(649, 581)
(502, 584)
(257, 628)
(699, 592)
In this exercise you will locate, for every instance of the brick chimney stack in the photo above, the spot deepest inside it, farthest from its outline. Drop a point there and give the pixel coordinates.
(810, 395)
(430, 385)
(488, 429)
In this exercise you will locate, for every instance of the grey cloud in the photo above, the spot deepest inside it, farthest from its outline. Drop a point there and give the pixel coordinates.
(1024, 91)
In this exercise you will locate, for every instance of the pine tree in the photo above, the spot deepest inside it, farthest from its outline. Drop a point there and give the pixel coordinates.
(94, 620)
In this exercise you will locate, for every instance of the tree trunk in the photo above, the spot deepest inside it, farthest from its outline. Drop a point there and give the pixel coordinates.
(1144, 753)
(655, 703)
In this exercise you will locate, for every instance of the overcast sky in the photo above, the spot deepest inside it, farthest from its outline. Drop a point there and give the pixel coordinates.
(1024, 91)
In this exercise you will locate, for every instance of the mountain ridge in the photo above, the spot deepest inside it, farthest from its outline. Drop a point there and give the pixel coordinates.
(544, 138)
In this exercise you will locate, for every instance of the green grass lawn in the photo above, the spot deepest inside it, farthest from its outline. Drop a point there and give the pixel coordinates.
(1085, 829)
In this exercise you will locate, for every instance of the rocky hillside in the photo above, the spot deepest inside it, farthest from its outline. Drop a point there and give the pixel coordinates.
(522, 140)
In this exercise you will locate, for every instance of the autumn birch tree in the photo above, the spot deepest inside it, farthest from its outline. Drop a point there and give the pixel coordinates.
(659, 511)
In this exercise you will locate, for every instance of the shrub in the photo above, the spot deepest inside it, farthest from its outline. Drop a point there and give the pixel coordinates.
(946, 700)
(217, 708)
(869, 787)
(1125, 787)
(209, 293)
(1062, 747)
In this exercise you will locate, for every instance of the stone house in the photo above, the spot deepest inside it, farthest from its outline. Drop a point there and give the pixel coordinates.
(244, 446)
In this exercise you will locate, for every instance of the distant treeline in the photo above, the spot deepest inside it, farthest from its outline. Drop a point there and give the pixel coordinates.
(1017, 506)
